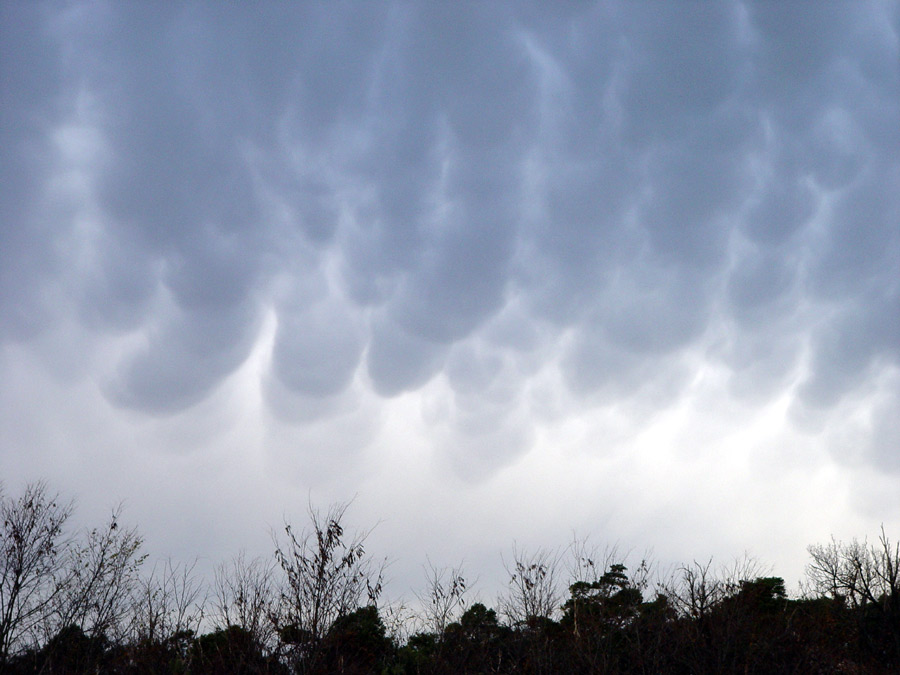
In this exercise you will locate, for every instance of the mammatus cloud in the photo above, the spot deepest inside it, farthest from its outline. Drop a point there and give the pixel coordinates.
(481, 195)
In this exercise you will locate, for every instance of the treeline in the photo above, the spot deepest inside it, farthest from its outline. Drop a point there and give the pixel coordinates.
(90, 601)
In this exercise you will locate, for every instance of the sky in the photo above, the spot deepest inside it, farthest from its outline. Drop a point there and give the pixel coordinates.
(498, 272)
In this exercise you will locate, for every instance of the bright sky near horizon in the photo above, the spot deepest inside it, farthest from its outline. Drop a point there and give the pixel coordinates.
(497, 271)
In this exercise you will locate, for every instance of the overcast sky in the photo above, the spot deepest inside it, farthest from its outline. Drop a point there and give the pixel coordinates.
(499, 271)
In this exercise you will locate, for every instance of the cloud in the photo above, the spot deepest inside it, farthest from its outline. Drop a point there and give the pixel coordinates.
(185, 357)
(398, 361)
(442, 162)
(316, 352)
(486, 224)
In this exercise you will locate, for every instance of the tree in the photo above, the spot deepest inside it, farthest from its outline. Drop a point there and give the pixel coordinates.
(859, 572)
(530, 606)
(100, 577)
(32, 551)
(243, 594)
(611, 601)
(608, 621)
(867, 577)
(477, 643)
(445, 597)
(356, 643)
(533, 591)
(71, 651)
(712, 628)
(326, 576)
(695, 589)
(231, 650)
(167, 611)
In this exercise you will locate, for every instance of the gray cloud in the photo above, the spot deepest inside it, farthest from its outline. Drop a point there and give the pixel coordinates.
(492, 267)
(185, 358)
(418, 190)
(316, 352)
(398, 361)
(31, 80)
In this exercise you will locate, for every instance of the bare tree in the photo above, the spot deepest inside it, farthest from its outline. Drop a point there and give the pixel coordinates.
(587, 562)
(399, 620)
(444, 598)
(243, 594)
(99, 580)
(857, 571)
(695, 589)
(169, 604)
(326, 576)
(533, 591)
(32, 549)
(741, 570)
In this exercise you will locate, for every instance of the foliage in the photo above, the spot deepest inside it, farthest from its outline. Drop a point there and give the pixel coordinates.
(84, 602)
(231, 650)
(325, 577)
(356, 643)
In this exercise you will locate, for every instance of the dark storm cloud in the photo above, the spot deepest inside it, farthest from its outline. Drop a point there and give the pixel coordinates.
(187, 355)
(399, 361)
(477, 191)
(316, 351)
(827, 212)
(30, 80)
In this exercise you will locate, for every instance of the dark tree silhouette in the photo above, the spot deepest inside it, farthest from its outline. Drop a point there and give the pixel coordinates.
(86, 603)
(32, 552)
